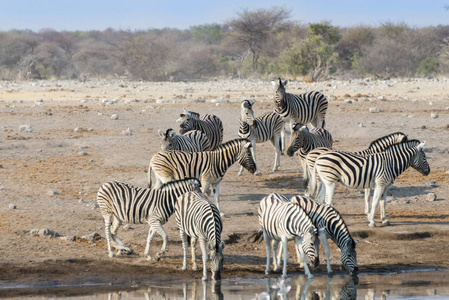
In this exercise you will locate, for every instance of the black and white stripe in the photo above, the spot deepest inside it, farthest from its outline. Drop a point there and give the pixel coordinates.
(376, 146)
(330, 225)
(210, 125)
(282, 220)
(303, 140)
(200, 219)
(194, 141)
(377, 171)
(267, 127)
(122, 202)
(208, 166)
(310, 107)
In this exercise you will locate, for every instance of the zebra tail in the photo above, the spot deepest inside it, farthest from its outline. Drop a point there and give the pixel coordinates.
(323, 124)
(256, 237)
(280, 144)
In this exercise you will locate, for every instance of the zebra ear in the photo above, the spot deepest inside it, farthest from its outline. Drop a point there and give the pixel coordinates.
(420, 146)
(285, 82)
(170, 133)
(252, 101)
(297, 126)
(248, 145)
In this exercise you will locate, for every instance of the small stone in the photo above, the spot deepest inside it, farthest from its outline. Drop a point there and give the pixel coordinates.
(52, 193)
(431, 184)
(424, 127)
(25, 128)
(431, 197)
(434, 116)
(12, 206)
(92, 237)
(127, 132)
(67, 238)
(115, 117)
(375, 110)
(82, 153)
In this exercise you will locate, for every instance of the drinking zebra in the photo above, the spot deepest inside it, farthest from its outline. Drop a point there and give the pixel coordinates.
(210, 125)
(268, 126)
(377, 171)
(200, 219)
(208, 166)
(194, 141)
(330, 225)
(282, 220)
(303, 108)
(375, 146)
(303, 140)
(122, 202)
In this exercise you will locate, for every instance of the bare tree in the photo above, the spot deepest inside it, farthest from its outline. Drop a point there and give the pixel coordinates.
(252, 28)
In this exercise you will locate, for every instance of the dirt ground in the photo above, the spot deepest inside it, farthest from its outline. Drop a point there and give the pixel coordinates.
(59, 142)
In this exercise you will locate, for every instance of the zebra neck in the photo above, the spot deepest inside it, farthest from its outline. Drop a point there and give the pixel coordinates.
(226, 155)
(399, 160)
(244, 130)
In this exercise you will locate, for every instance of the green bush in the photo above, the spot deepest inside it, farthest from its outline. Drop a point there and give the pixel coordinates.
(428, 66)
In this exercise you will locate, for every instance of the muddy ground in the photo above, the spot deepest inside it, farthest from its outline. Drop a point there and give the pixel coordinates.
(58, 144)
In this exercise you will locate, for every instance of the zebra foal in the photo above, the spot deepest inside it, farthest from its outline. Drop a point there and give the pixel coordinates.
(210, 125)
(310, 107)
(208, 166)
(268, 126)
(282, 220)
(199, 219)
(377, 171)
(122, 202)
(193, 141)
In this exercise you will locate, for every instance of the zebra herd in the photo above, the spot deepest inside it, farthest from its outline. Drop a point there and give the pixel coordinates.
(191, 166)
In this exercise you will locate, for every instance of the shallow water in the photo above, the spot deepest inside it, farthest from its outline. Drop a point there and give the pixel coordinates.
(405, 285)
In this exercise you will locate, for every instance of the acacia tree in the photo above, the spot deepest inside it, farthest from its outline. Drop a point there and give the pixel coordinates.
(253, 28)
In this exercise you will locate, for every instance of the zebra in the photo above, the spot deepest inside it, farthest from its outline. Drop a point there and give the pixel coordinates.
(375, 146)
(282, 220)
(378, 170)
(210, 125)
(330, 225)
(268, 126)
(208, 166)
(122, 202)
(199, 218)
(303, 140)
(303, 108)
(194, 141)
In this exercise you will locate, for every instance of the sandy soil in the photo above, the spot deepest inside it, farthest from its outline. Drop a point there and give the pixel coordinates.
(58, 144)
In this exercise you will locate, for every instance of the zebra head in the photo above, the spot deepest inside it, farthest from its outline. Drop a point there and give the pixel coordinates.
(280, 92)
(216, 261)
(246, 158)
(310, 245)
(167, 142)
(297, 138)
(247, 113)
(419, 161)
(349, 257)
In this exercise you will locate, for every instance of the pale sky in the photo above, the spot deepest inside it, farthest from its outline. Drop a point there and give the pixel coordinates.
(147, 14)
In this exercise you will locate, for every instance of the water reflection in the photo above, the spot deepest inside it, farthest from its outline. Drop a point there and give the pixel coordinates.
(422, 285)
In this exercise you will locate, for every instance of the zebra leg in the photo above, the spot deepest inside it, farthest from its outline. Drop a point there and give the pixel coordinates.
(305, 172)
(216, 190)
(204, 254)
(330, 191)
(383, 207)
(283, 140)
(378, 191)
(327, 252)
(275, 141)
(284, 241)
(184, 248)
(267, 240)
(118, 244)
(298, 242)
(367, 197)
(151, 234)
(164, 236)
(192, 250)
(107, 225)
(276, 260)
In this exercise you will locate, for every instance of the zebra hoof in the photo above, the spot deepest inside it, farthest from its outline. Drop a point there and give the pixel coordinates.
(372, 225)
(222, 214)
(267, 272)
(386, 222)
(195, 268)
(111, 254)
(204, 278)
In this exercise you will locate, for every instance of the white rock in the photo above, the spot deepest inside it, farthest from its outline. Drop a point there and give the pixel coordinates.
(434, 116)
(431, 197)
(115, 117)
(26, 128)
(127, 132)
(161, 101)
(12, 206)
(375, 110)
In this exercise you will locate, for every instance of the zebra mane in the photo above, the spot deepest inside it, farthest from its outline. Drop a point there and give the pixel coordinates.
(408, 143)
(387, 138)
(176, 183)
